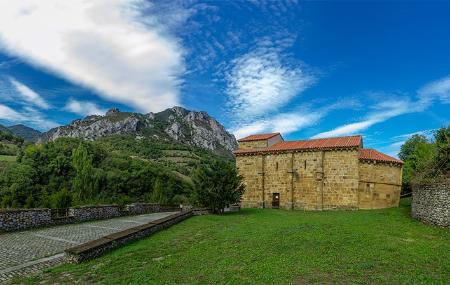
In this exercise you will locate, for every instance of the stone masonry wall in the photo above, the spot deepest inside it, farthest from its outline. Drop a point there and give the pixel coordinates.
(19, 219)
(86, 213)
(24, 218)
(431, 204)
(379, 185)
(142, 208)
(340, 181)
(250, 167)
(304, 180)
(253, 144)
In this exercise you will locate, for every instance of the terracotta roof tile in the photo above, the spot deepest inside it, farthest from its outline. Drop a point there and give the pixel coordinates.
(325, 143)
(258, 137)
(371, 154)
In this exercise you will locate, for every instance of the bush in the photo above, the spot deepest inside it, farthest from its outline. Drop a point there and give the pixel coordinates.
(217, 185)
(61, 199)
(180, 199)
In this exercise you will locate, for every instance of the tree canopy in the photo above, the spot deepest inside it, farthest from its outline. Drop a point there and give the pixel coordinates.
(117, 169)
(217, 185)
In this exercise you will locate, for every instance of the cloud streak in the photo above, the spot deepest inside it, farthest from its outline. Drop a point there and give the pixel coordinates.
(29, 95)
(83, 108)
(426, 96)
(106, 46)
(28, 115)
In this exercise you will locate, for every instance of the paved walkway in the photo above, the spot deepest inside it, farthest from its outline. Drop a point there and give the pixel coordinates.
(30, 251)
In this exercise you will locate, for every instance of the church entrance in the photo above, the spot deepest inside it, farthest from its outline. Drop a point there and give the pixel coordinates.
(275, 200)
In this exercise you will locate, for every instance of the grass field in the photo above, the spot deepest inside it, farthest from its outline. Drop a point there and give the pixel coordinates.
(276, 247)
(8, 158)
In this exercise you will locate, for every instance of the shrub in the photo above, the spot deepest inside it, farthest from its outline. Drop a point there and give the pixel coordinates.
(61, 199)
(217, 185)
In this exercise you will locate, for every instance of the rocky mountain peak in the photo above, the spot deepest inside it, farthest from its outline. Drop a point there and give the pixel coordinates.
(177, 123)
(112, 112)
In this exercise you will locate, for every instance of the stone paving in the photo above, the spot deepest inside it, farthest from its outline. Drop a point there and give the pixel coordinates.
(33, 250)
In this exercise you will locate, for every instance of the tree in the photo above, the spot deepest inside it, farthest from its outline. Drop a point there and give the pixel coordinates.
(442, 138)
(418, 156)
(410, 146)
(217, 185)
(83, 181)
(158, 194)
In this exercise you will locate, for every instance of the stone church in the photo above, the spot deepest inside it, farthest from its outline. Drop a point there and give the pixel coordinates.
(317, 174)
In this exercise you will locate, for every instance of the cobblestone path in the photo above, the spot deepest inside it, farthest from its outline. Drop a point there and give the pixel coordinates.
(31, 251)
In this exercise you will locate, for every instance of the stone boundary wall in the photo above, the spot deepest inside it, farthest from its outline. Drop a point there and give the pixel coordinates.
(12, 220)
(142, 208)
(87, 213)
(20, 219)
(98, 247)
(431, 204)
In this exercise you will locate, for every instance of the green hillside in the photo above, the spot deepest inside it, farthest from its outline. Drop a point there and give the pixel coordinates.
(114, 169)
(9, 143)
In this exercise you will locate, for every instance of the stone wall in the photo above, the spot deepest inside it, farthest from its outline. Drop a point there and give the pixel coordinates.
(98, 247)
(19, 219)
(11, 220)
(260, 143)
(87, 213)
(142, 208)
(253, 144)
(319, 180)
(380, 184)
(431, 204)
(310, 180)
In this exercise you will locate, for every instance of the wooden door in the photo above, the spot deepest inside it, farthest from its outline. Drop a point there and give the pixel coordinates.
(276, 200)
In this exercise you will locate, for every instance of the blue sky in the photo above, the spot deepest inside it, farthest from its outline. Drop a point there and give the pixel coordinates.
(305, 69)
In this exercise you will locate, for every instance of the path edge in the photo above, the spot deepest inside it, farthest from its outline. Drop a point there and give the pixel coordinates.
(98, 247)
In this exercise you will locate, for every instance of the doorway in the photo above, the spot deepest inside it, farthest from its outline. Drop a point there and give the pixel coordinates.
(276, 200)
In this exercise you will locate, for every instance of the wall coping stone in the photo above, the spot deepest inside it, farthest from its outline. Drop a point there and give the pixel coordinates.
(99, 246)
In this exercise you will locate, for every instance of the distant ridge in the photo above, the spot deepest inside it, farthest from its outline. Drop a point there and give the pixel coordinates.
(22, 131)
(173, 124)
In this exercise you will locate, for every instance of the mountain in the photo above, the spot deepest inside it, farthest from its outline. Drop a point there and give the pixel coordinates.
(4, 129)
(175, 124)
(27, 133)
(22, 131)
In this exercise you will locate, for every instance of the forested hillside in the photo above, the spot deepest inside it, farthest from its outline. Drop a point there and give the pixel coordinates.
(114, 169)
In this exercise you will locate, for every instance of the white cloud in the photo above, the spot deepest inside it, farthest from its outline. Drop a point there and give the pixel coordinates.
(83, 108)
(29, 95)
(380, 113)
(105, 45)
(437, 89)
(258, 83)
(27, 115)
(6, 113)
(284, 123)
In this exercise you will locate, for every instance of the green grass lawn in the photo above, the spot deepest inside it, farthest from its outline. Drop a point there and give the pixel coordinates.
(8, 158)
(276, 247)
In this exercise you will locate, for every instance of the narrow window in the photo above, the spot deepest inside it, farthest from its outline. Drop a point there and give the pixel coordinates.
(305, 164)
(276, 166)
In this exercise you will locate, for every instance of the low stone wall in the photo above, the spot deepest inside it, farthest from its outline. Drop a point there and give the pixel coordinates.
(87, 213)
(98, 247)
(11, 220)
(142, 208)
(431, 204)
(20, 219)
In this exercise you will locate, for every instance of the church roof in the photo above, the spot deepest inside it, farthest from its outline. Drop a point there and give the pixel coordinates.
(325, 143)
(258, 137)
(371, 154)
